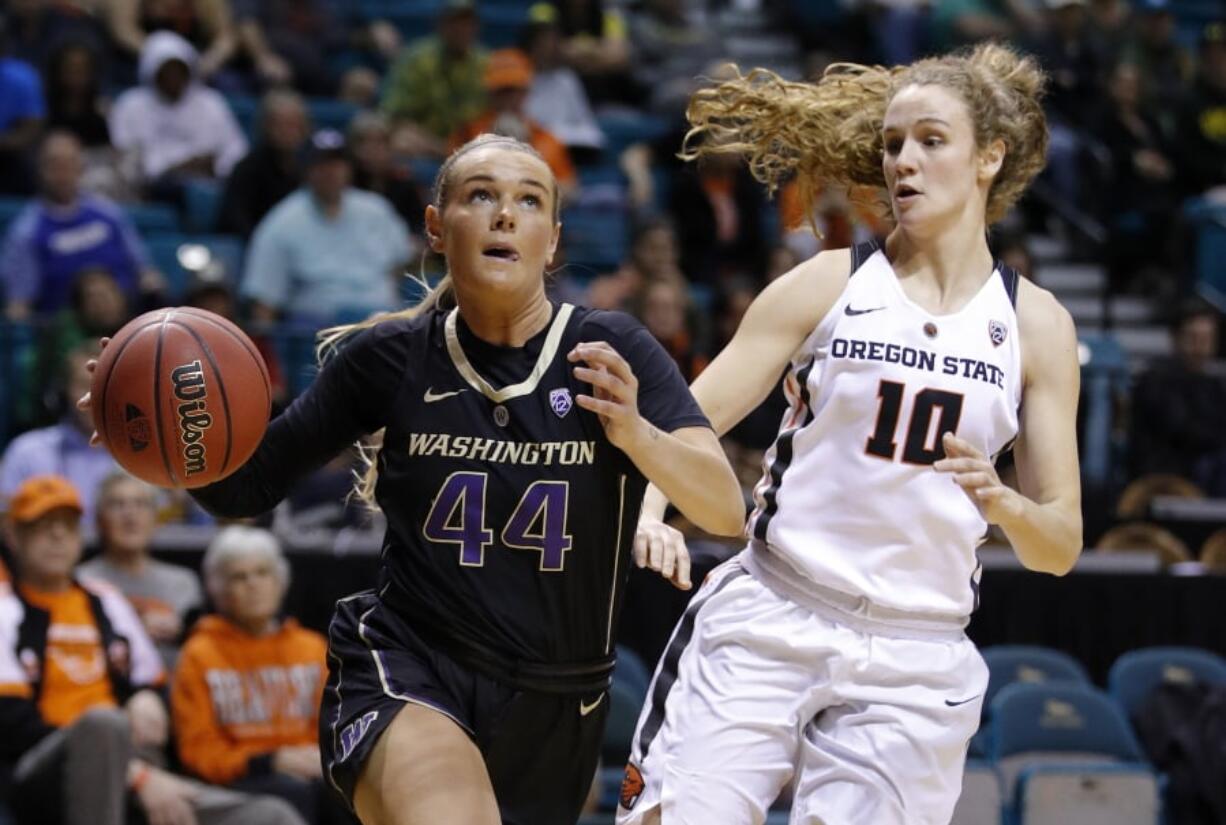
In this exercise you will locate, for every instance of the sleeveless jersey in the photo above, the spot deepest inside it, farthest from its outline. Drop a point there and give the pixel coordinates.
(849, 499)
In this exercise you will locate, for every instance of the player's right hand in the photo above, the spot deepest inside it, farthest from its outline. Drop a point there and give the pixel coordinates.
(84, 402)
(662, 548)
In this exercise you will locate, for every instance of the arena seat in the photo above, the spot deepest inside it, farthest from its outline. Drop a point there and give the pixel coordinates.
(10, 208)
(179, 255)
(1137, 672)
(981, 802)
(1065, 753)
(1028, 664)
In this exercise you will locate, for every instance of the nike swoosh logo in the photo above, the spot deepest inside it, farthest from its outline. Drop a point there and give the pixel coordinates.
(847, 310)
(432, 396)
(963, 702)
(585, 709)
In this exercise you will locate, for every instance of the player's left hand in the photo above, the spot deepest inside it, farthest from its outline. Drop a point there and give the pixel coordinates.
(974, 473)
(662, 548)
(615, 391)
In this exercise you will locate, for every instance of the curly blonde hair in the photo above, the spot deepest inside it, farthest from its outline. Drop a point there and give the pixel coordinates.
(829, 132)
(442, 295)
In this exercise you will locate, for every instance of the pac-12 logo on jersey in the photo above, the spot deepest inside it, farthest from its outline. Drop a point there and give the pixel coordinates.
(560, 401)
(997, 332)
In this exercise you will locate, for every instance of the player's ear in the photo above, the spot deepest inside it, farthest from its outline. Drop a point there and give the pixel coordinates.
(991, 158)
(434, 229)
(553, 243)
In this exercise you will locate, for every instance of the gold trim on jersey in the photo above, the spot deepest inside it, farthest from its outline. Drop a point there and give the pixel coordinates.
(528, 385)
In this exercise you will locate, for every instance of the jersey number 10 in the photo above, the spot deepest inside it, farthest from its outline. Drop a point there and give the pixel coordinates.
(458, 517)
(917, 449)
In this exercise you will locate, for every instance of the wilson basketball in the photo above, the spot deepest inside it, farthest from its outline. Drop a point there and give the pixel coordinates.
(180, 397)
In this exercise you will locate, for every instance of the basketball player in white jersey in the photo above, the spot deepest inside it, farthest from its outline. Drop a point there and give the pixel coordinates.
(831, 652)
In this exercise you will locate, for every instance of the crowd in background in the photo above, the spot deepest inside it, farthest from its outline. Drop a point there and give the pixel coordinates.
(109, 106)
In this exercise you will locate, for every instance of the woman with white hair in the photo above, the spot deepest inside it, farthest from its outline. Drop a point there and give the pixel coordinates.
(246, 691)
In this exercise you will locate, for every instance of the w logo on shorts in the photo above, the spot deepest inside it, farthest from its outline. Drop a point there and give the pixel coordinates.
(352, 733)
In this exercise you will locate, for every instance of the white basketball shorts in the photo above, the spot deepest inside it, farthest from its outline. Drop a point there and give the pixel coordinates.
(755, 691)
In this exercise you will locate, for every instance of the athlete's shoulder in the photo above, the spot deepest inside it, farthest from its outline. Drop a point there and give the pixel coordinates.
(1040, 316)
(605, 324)
(393, 331)
(799, 299)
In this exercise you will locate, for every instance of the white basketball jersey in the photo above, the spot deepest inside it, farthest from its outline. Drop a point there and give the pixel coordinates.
(849, 499)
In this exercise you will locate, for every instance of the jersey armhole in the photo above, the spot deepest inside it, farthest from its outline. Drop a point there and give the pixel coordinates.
(861, 252)
(1010, 277)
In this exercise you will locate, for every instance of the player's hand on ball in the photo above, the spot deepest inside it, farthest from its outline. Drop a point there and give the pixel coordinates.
(615, 391)
(974, 473)
(662, 548)
(84, 402)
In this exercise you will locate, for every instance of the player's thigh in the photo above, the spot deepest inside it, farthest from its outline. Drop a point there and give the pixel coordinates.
(424, 770)
(718, 736)
(892, 752)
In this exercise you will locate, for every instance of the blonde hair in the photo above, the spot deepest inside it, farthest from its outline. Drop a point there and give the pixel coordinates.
(829, 132)
(440, 296)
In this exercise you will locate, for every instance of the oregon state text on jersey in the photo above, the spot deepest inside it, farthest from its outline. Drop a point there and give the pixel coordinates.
(849, 499)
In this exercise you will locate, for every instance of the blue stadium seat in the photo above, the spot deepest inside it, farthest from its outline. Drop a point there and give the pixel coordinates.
(631, 671)
(1030, 664)
(10, 208)
(1209, 222)
(623, 128)
(330, 114)
(152, 217)
(17, 342)
(595, 238)
(246, 111)
(1136, 673)
(1058, 747)
(203, 204)
(177, 255)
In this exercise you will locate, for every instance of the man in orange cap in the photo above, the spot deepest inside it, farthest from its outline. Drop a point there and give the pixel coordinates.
(508, 77)
(78, 687)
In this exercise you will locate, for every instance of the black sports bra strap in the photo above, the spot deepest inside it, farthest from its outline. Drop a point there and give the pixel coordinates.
(860, 253)
(1010, 277)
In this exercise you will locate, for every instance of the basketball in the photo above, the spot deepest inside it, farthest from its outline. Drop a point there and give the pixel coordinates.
(180, 397)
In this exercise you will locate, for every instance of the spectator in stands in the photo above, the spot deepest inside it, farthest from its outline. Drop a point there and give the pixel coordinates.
(961, 22)
(37, 26)
(65, 232)
(1073, 59)
(1202, 129)
(507, 79)
(327, 250)
(21, 115)
(98, 308)
(63, 448)
(272, 170)
(717, 207)
(1112, 21)
(595, 45)
(556, 98)
(670, 52)
(210, 290)
(1142, 191)
(164, 595)
(1162, 62)
(375, 170)
(663, 309)
(84, 724)
(176, 127)
(205, 24)
(435, 86)
(73, 81)
(900, 28)
(291, 42)
(654, 255)
(248, 684)
(1177, 406)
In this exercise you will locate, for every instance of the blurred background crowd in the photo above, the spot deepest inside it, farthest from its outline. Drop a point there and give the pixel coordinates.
(269, 160)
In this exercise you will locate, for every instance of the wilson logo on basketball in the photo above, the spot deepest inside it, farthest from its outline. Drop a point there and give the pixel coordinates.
(632, 786)
(194, 417)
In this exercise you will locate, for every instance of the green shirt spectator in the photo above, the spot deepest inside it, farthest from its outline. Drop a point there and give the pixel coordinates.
(437, 82)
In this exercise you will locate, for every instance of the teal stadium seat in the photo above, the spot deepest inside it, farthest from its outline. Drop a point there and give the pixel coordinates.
(178, 255)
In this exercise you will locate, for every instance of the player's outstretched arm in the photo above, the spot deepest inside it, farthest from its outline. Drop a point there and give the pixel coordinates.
(1042, 520)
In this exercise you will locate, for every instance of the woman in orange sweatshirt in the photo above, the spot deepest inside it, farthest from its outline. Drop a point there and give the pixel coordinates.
(247, 687)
